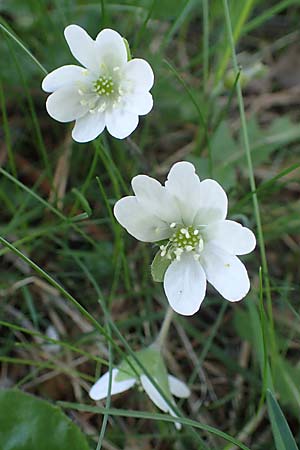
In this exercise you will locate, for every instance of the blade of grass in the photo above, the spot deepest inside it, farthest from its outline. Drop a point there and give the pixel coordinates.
(5, 28)
(252, 183)
(202, 120)
(205, 13)
(152, 416)
(283, 437)
(268, 14)
(246, 10)
(7, 133)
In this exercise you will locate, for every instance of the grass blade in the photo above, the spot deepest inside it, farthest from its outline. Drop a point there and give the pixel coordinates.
(283, 437)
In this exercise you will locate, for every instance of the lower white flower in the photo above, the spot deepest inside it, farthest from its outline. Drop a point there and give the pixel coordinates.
(108, 91)
(188, 219)
(124, 378)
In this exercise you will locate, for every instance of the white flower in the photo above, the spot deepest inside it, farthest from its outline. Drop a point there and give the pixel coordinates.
(123, 378)
(199, 243)
(109, 91)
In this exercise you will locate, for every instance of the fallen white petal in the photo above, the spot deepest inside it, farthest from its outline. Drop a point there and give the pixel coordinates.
(157, 399)
(178, 387)
(88, 127)
(111, 48)
(83, 47)
(153, 394)
(140, 73)
(185, 285)
(155, 198)
(225, 272)
(212, 203)
(184, 185)
(139, 222)
(99, 390)
(231, 237)
(121, 123)
(62, 77)
(64, 105)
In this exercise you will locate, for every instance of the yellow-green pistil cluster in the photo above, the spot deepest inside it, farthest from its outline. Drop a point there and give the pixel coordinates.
(104, 86)
(184, 239)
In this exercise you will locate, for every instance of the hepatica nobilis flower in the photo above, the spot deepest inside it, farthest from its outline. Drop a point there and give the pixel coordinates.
(108, 91)
(187, 218)
(128, 374)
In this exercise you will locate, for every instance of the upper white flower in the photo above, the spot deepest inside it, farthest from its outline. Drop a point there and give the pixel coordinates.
(109, 91)
(199, 243)
(123, 378)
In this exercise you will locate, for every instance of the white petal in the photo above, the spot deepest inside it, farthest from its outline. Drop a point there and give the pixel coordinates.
(139, 73)
(82, 46)
(140, 223)
(64, 105)
(121, 123)
(225, 272)
(62, 77)
(140, 103)
(155, 198)
(178, 387)
(212, 203)
(111, 48)
(153, 394)
(231, 237)
(185, 285)
(99, 390)
(184, 185)
(88, 127)
(157, 399)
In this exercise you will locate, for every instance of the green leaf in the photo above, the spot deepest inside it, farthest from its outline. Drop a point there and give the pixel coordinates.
(159, 266)
(29, 423)
(283, 437)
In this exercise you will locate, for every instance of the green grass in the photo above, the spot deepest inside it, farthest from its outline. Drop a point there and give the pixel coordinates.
(66, 262)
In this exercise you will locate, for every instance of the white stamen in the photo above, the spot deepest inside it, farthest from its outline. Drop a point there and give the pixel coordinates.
(189, 248)
(196, 232)
(115, 69)
(173, 225)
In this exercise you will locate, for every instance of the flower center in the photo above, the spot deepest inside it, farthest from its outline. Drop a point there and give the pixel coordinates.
(184, 239)
(104, 86)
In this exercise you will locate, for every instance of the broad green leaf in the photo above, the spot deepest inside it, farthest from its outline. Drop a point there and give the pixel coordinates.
(29, 423)
(159, 266)
(283, 437)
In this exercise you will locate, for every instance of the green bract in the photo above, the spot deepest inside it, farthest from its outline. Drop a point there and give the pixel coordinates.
(151, 359)
(159, 266)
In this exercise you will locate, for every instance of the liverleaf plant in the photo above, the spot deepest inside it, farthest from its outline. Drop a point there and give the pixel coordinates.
(110, 90)
(187, 219)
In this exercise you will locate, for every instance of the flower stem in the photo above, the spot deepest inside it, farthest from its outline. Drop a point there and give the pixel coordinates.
(160, 340)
